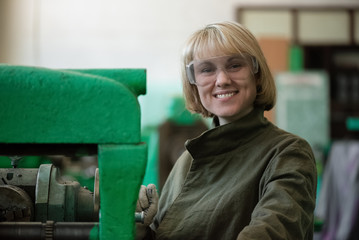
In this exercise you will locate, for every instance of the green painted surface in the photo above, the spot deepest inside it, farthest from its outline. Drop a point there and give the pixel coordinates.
(122, 168)
(94, 233)
(150, 136)
(39, 105)
(295, 59)
(178, 113)
(352, 123)
(134, 79)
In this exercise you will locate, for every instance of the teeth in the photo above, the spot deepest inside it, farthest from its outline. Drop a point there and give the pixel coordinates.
(225, 95)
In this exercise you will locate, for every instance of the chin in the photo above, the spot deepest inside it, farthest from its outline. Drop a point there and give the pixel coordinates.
(229, 114)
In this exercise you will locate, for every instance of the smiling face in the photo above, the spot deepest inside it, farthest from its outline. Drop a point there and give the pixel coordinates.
(226, 86)
(226, 95)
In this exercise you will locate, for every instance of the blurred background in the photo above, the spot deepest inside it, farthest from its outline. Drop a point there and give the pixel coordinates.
(312, 48)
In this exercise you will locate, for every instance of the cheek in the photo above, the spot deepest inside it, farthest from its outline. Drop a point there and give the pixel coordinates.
(203, 93)
(201, 97)
(205, 99)
(249, 94)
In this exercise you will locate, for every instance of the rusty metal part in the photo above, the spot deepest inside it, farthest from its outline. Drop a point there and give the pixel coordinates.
(15, 204)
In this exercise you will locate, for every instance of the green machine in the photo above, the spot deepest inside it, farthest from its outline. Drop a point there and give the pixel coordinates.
(73, 113)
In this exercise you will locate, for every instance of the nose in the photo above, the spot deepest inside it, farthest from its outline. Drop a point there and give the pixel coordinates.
(222, 78)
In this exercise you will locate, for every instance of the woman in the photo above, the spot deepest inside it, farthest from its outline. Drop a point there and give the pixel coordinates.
(244, 178)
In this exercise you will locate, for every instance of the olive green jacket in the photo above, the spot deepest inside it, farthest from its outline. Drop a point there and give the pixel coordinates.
(243, 180)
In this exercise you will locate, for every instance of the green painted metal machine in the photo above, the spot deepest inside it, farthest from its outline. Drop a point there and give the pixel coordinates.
(72, 113)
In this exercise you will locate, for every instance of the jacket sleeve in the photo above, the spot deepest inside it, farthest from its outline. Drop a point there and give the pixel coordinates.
(287, 191)
(172, 187)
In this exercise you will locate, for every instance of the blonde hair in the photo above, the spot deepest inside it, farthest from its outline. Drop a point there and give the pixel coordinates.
(229, 38)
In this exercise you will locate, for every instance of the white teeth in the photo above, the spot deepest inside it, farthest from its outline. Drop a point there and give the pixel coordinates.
(225, 95)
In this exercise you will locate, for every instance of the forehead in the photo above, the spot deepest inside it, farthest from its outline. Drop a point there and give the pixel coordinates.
(206, 51)
(211, 55)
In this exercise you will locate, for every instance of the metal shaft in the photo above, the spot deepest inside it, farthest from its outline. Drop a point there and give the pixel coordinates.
(48, 230)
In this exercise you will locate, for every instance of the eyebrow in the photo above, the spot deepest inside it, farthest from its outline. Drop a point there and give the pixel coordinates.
(208, 60)
(236, 57)
(204, 62)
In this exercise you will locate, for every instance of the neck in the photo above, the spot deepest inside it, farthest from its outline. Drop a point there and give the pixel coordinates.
(225, 120)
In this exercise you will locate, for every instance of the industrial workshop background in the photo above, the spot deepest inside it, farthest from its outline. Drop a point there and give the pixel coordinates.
(312, 47)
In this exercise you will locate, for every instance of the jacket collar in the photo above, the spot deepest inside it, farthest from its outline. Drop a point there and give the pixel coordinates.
(225, 138)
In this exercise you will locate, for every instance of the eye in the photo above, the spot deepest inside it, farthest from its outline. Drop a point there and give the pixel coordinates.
(233, 67)
(207, 70)
(236, 65)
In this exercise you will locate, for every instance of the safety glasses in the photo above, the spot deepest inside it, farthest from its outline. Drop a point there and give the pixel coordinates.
(204, 71)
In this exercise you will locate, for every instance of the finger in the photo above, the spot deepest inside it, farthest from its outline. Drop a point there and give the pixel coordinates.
(152, 194)
(143, 199)
(138, 206)
(153, 199)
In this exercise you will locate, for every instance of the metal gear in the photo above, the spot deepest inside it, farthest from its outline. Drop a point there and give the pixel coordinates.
(49, 230)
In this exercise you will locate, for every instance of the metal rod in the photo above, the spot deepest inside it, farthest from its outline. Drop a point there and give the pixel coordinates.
(48, 230)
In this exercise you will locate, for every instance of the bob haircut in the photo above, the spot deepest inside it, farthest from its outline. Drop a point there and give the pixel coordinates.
(228, 38)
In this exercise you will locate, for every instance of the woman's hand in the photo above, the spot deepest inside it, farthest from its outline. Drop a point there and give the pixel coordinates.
(147, 203)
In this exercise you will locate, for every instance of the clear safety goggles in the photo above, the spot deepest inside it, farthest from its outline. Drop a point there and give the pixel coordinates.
(204, 71)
